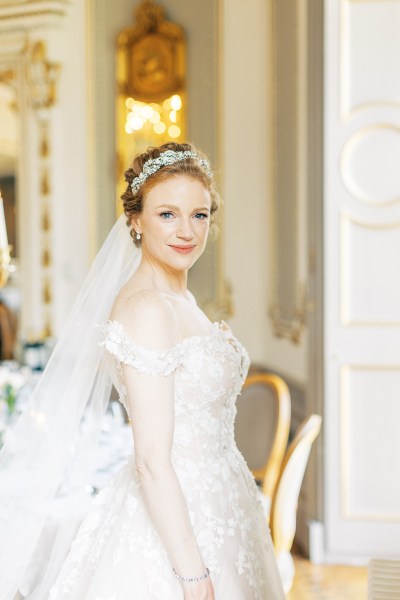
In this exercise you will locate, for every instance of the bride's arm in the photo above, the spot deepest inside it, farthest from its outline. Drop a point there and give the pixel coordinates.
(151, 323)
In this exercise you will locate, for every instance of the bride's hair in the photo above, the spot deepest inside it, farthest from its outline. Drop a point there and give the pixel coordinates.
(133, 201)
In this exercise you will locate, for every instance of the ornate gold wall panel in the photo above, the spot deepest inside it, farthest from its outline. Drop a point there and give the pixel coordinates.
(151, 80)
(151, 56)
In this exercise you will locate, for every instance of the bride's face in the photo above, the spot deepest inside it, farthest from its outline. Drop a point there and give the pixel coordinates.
(175, 222)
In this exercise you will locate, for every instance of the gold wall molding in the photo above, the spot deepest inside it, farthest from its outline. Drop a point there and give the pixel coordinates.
(151, 100)
(42, 77)
(151, 56)
(35, 14)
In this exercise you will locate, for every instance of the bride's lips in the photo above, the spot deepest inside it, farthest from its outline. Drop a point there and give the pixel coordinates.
(183, 249)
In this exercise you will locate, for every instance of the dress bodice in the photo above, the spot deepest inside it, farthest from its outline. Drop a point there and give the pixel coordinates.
(209, 370)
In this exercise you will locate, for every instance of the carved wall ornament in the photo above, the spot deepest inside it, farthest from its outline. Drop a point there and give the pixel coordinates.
(151, 99)
(290, 328)
(151, 56)
(42, 76)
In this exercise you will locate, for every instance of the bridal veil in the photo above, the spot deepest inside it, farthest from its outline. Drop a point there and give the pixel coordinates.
(71, 395)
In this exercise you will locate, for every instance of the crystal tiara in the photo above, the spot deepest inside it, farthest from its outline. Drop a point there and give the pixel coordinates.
(169, 157)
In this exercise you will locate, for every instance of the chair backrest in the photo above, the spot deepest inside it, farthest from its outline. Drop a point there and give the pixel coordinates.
(285, 499)
(262, 426)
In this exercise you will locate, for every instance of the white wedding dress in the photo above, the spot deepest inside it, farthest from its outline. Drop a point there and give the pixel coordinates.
(117, 553)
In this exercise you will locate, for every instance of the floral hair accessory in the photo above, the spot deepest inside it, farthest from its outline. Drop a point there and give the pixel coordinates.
(169, 157)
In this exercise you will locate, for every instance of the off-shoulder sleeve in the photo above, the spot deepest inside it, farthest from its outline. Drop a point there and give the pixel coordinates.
(144, 360)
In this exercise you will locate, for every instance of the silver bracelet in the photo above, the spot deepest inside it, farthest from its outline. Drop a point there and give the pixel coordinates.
(191, 579)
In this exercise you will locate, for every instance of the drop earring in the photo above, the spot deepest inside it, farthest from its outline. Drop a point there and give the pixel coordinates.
(138, 235)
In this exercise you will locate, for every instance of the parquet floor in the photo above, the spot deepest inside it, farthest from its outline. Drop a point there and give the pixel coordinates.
(328, 582)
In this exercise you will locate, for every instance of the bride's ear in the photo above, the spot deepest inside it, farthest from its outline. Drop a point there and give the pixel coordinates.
(135, 225)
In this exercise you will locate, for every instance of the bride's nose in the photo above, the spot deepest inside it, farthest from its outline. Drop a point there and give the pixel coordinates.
(185, 230)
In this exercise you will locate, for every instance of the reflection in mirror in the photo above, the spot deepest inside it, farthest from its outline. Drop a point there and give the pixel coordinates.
(9, 294)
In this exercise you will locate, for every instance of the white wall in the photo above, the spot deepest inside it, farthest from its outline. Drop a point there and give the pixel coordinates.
(246, 126)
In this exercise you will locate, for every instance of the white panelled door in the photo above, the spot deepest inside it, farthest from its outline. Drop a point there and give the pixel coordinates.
(362, 278)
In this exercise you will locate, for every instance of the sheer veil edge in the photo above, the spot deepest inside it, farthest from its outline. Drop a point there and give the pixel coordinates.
(73, 390)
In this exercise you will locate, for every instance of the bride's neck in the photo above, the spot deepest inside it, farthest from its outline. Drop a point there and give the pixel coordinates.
(164, 279)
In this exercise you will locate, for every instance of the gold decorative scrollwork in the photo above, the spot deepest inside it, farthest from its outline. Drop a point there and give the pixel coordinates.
(151, 56)
(7, 76)
(291, 328)
(151, 98)
(42, 78)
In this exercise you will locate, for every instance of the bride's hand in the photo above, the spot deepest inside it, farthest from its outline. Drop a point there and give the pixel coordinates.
(202, 590)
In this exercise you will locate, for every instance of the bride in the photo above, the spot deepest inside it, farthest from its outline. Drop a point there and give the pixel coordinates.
(182, 519)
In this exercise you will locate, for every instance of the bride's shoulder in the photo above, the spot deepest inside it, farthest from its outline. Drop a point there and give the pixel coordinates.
(143, 302)
(147, 316)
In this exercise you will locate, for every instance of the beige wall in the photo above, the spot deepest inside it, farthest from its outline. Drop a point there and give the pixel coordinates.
(245, 133)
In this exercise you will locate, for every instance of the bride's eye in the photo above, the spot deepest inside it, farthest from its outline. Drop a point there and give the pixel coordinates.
(166, 215)
(201, 216)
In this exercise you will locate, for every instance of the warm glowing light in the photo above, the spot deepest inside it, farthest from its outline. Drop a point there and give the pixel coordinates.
(159, 127)
(155, 117)
(176, 102)
(141, 115)
(174, 131)
(147, 112)
(136, 123)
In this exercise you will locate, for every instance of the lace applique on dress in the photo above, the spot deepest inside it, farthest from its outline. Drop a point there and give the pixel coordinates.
(144, 360)
(117, 551)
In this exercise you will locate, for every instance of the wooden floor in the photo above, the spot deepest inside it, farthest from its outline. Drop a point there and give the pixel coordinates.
(327, 582)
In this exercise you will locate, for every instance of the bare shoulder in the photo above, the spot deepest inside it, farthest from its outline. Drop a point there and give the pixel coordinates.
(147, 316)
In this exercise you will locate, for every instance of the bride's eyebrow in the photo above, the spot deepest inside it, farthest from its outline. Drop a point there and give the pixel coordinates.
(176, 208)
(170, 206)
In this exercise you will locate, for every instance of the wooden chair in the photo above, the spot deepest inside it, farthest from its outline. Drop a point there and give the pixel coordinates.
(262, 428)
(285, 499)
